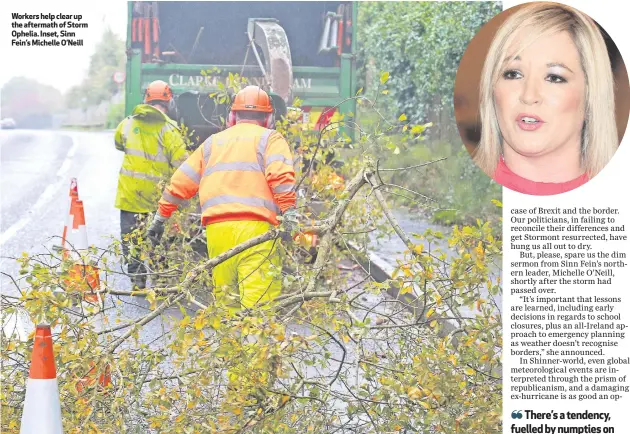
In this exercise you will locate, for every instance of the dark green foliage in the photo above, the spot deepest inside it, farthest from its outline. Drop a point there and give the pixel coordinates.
(421, 50)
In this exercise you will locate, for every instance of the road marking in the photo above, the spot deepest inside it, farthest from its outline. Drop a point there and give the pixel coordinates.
(43, 198)
(64, 167)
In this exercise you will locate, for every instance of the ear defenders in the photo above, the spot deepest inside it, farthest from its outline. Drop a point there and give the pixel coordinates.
(231, 119)
(172, 108)
(270, 121)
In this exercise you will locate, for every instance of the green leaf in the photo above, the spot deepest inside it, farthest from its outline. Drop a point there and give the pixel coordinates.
(417, 129)
(384, 77)
(185, 321)
(497, 203)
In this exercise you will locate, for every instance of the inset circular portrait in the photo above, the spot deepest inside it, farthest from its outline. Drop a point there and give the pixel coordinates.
(542, 98)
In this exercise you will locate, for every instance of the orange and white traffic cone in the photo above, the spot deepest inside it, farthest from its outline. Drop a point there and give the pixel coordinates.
(76, 234)
(83, 276)
(42, 408)
(73, 196)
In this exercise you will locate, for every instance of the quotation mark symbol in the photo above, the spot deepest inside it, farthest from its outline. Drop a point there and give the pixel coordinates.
(517, 414)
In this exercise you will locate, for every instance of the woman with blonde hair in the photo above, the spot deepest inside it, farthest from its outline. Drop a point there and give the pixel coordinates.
(546, 101)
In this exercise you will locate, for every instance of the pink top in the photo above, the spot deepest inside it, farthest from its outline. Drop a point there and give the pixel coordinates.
(504, 176)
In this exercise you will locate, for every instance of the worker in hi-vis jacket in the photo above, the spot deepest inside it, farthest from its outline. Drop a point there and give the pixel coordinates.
(245, 179)
(154, 147)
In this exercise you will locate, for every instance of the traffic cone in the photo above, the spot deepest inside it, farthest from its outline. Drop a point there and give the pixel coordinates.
(42, 408)
(82, 276)
(73, 196)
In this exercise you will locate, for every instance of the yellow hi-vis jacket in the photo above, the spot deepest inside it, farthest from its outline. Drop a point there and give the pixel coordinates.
(242, 173)
(154, 148)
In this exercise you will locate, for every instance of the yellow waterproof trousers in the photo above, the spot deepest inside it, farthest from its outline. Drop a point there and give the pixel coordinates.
(250, 278)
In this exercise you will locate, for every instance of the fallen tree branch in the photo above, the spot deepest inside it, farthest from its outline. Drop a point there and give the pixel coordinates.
(190, 278)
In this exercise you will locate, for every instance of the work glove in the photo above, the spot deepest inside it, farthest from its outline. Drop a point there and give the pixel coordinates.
(289, 225)
(156, 229)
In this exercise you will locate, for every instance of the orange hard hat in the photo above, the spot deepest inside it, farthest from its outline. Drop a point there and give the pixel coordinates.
(158, 90)
(252, 99)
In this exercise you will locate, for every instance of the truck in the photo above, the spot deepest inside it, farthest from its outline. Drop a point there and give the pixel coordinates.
(298, 51)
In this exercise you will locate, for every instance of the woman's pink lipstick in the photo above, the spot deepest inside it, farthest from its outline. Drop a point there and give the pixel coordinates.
(527, 122)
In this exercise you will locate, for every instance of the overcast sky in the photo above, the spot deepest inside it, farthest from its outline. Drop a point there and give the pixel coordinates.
(61, 67)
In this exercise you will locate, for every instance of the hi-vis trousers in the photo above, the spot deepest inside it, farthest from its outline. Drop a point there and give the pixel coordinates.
(250, 278)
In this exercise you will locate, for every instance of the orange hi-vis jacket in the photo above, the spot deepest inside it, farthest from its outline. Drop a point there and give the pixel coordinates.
(242, 173)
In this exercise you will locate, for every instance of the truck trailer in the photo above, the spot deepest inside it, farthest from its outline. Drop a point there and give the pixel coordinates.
(297, 51)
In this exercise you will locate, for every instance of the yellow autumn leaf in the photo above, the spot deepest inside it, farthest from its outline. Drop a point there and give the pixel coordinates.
(185, 321)
(418, 249)
(433, 323)
(414, 393)
(452, 359)
(285, 398)
(406, 289)
(402, 117)
(199, 320)
(438, 299)
(407, 270)
(479, 249)
(479, 303)
(470, 371)
(430, 312)
(425, 405)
